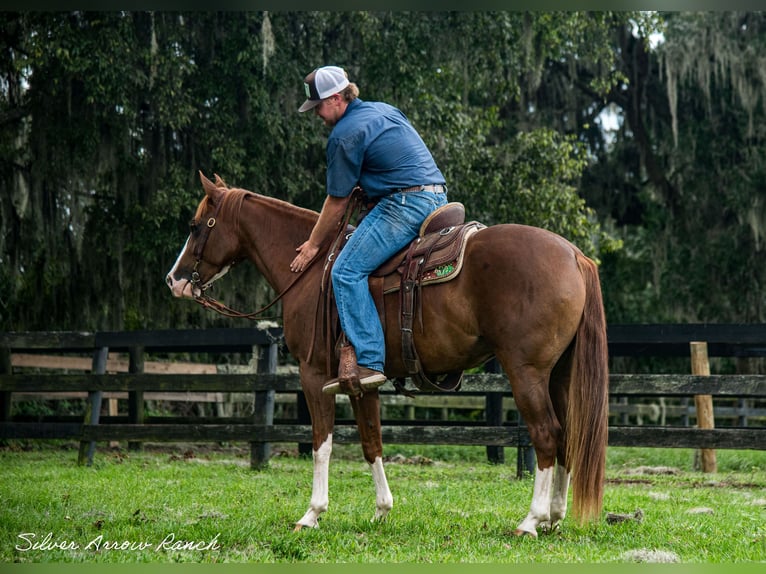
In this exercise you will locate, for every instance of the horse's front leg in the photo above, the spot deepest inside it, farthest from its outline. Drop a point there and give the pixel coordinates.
(367, 412)
(322, 410)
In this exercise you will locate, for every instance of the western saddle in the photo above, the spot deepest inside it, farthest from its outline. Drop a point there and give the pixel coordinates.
(435, 256)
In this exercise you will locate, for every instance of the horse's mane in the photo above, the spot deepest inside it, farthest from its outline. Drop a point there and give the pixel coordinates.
(280, 204)
(230, 194)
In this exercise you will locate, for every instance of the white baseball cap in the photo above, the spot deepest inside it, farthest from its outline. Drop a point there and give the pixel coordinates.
(322, 83)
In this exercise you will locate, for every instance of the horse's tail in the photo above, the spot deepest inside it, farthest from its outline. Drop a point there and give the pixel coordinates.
(588, 405)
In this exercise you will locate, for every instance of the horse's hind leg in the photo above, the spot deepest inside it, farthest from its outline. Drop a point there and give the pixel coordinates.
(530, 391)
(559, 391)
(367, 412)
(559, 500)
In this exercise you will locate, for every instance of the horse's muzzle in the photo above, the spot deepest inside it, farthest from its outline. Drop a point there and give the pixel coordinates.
(180, 288)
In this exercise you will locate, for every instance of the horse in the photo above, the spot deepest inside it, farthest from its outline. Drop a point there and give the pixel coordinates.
(525, 295)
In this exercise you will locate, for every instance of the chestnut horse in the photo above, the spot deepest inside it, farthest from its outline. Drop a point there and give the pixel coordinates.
(525, 295)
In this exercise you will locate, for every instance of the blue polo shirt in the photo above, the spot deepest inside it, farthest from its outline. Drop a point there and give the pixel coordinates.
(374, 145)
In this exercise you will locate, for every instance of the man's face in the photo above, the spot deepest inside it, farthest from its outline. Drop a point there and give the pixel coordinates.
(330, 109)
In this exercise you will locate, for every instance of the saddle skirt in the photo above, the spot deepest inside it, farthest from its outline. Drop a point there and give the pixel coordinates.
(437, 257)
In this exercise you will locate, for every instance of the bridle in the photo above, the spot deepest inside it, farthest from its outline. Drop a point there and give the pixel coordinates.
(199, 248)
(196, 281)
(352, 207)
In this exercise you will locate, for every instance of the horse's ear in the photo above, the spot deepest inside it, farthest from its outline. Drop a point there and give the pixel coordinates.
(218, 181)
(211, 189)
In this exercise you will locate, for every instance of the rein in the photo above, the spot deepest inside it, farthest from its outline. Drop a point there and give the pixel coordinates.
(209, 302)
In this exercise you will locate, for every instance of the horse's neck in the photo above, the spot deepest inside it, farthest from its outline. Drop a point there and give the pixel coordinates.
(270, 231)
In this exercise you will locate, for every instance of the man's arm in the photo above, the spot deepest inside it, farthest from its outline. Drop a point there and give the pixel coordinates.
(330, 218)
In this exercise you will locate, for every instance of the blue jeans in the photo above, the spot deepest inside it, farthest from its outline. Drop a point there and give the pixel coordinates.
(389, 227)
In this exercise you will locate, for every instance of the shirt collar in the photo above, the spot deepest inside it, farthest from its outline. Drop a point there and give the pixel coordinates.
(352, 105)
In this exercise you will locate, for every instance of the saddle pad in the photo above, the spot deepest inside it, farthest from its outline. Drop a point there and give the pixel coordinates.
(444, 271)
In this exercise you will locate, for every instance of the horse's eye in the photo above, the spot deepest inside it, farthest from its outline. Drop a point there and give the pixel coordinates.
(193, 226)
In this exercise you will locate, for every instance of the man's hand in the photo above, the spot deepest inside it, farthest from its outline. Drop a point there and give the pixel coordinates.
(324, 230)
(306, 252)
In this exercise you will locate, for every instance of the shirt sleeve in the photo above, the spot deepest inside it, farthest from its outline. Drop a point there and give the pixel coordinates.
(344, 165)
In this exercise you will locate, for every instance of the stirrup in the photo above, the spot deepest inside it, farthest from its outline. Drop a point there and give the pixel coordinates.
(368, 381)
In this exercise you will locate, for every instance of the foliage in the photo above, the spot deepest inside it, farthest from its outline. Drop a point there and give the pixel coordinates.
(108, 117)
(682, 178)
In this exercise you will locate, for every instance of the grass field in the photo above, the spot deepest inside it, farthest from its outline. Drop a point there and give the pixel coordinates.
(196, 504)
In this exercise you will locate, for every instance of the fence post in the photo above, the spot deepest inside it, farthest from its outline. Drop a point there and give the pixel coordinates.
(263, 405)
(704, 405)
(304, 418)
(744, 366)
(135, 398)
(6, 368)
(624, 418)
(93, 407)
(525, 455)
(685, 413)
(493, 414)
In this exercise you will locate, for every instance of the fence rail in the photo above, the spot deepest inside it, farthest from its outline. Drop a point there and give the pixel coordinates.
(261, 429)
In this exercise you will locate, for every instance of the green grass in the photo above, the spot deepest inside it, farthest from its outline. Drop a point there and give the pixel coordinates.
(458, 509)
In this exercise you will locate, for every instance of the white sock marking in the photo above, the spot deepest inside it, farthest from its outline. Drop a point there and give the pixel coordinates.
(320, 495)
(384, 500)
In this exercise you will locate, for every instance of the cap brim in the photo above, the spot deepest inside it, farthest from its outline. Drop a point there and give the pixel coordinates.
(308, 105)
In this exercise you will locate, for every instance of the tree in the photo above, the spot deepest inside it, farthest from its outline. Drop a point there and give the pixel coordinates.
(683, 179)
(107, 118)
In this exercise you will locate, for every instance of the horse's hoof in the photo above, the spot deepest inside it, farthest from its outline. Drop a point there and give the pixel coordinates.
(379, 516)
(298, 528)
(550, 528)
(520, 532)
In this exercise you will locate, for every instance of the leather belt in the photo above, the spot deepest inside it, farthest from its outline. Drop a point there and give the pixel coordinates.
(436, 188)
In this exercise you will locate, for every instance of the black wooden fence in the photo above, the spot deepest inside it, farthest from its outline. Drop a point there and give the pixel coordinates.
(261, 429)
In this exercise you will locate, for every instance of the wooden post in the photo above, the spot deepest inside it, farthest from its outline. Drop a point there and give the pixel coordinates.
(685, 412)
(525, 455)
(93, 407)
(304, 418)
(112, 410)
(135, 398)
(623, 402)
(704, 405)
(409, 412)
(5, 396)
(263, 406)
(493, 414)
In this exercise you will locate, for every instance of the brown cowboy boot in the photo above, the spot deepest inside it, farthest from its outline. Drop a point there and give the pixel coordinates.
(352, 379)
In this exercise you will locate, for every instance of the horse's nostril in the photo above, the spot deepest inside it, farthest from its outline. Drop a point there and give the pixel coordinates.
(169, 280)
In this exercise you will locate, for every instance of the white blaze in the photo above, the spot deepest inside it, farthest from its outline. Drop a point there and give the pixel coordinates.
(183, 287)
(180, 288)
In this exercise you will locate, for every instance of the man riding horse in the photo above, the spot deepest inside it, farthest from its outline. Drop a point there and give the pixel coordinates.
(522, 294)
(372, 145)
